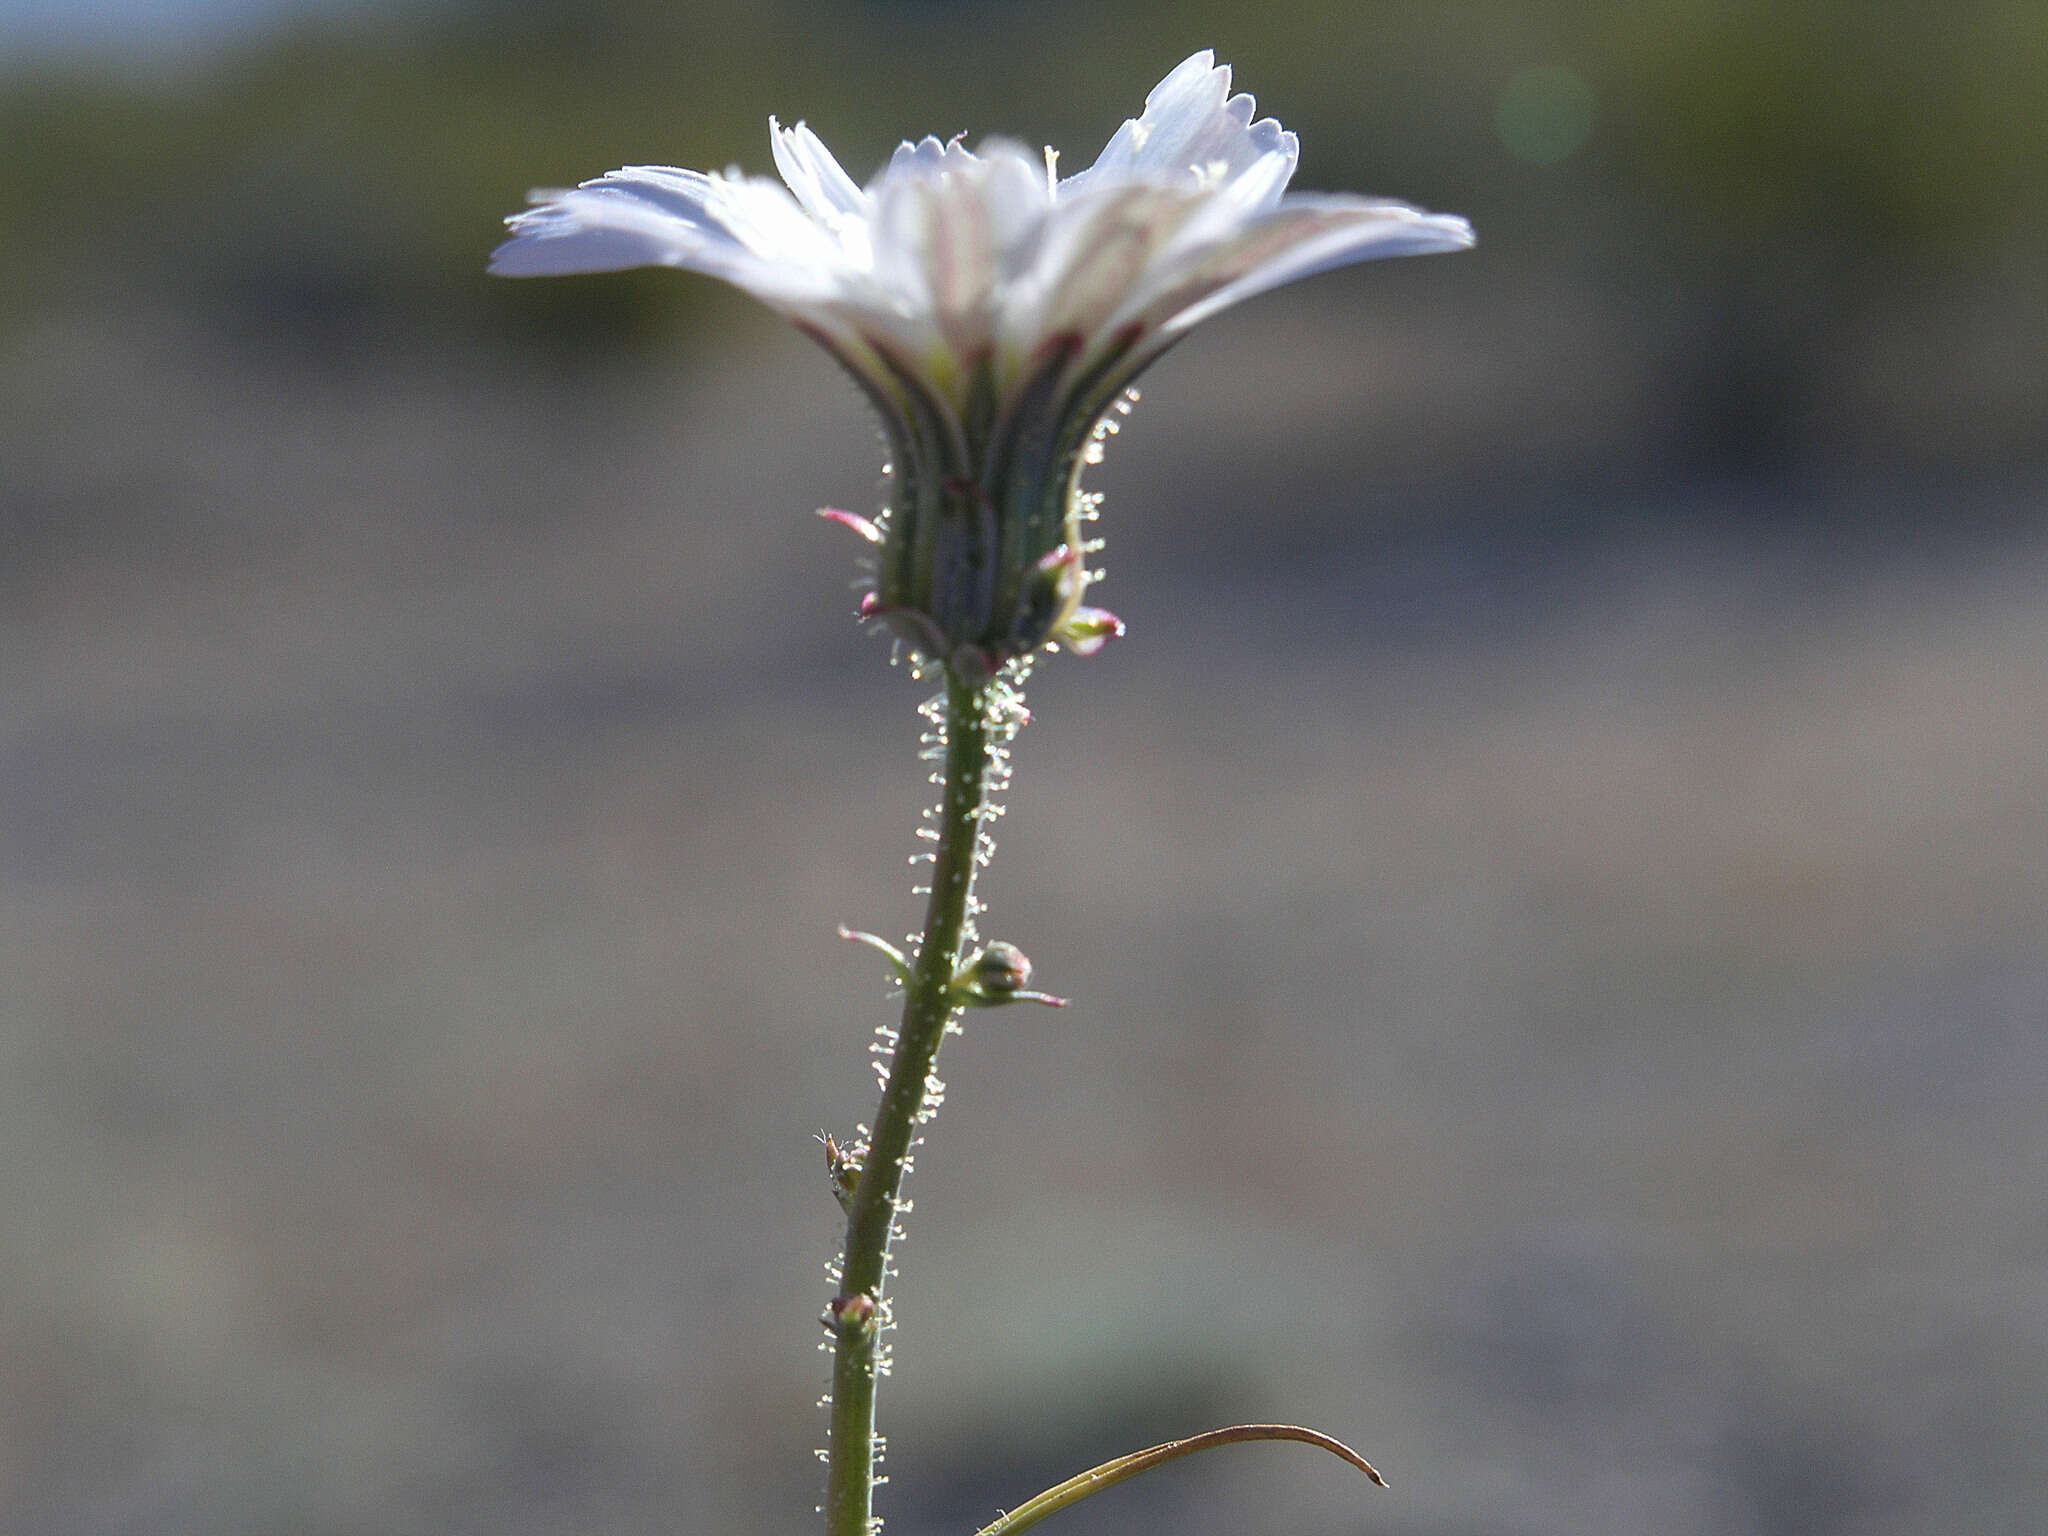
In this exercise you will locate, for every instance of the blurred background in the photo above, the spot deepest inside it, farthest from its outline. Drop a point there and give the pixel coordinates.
(1555, 882)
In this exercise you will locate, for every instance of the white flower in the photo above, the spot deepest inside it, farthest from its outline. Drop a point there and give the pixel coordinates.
(994, 313)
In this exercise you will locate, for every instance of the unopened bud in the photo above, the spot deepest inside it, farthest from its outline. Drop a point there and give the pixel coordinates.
(996, 975)
(851, 1314)
(1002, 969)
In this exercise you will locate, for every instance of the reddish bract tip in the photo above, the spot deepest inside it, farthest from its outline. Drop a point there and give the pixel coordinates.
(1089, 630)
(857, 523)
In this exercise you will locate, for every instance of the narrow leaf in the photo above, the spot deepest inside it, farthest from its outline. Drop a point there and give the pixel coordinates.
(1110, 1473)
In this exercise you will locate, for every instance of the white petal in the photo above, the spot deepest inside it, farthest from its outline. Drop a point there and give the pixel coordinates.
(929, 156)
(568, 233)
(1307, 234)
(951, 231)
(1192, 132)
(950, 256)
(1235, 205)
(749, 232)
(827, 193)
(934, 259)
(1014, 190)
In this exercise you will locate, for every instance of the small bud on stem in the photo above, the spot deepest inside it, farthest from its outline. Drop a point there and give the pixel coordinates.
(854, 1314)
(997, 974)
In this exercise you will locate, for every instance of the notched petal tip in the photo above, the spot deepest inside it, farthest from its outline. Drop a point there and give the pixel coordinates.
(928, 156)
(1193, 132)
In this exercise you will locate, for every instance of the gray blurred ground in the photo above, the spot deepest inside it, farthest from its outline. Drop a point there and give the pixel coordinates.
(1555, 883)
(1564, 1012)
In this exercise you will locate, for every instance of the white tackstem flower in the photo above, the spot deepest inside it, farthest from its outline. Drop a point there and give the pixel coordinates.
(993, 312)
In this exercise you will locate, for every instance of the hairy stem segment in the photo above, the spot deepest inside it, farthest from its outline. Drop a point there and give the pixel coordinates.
(856, 1316)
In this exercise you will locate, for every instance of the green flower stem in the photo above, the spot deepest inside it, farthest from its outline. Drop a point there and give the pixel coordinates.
(929, 1003)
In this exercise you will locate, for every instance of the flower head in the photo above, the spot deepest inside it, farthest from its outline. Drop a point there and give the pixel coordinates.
(995, 313)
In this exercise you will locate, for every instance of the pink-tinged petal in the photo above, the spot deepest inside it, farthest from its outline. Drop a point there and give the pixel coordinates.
(933, 265)
(827, 193)
(1192, 132)
(1096, 249)
(951, 232)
